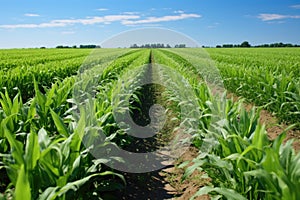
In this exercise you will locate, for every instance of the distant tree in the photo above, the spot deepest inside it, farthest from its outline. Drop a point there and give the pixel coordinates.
(180, 46)
(157, 45)
(88, 46)
(227, 45)
(245, 44)
(74, 47)
(43, 48)
(134, 46)
(62, 47)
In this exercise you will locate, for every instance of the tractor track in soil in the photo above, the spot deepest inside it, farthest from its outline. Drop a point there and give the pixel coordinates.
(151, 185)
(164, 183)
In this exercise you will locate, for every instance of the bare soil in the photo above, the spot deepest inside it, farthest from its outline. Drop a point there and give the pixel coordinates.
(166, 183)
(273, 126)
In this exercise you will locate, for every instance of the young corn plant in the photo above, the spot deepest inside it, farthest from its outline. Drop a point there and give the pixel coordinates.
(49, 160)
(242, 151)
(240, 148)
(278, 172)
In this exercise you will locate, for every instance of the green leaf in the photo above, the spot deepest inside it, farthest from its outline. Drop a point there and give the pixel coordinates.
(48, 193)
(41, 99)
(22, 187)
(259, 139)
(271, 162)
(32, 152)
(190, 170)
(228, 193)
(43, 139)
(16, 106)
(79, 133)
(16, 146)
(76, 185)
(59, 124)
(2, 197)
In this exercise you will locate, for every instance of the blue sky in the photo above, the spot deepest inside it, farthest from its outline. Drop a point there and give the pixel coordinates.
(34, 23)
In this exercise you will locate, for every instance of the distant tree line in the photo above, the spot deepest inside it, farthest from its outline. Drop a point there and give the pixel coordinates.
(246, 44)
(157, 46)
(80, 47)
(278, 45)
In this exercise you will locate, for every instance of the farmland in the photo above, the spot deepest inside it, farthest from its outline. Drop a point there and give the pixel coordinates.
(266, 77)
(54, 104)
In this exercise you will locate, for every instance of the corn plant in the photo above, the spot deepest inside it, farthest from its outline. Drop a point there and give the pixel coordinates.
(234, 147)
(267, 77)
(41, 141)
(51, 117)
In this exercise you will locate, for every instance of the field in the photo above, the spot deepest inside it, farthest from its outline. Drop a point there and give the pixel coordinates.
(66, 113)
(266, 77)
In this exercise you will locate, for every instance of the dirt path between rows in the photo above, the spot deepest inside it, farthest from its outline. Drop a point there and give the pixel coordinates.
(165, 183)
(273, 127)
(151, 185)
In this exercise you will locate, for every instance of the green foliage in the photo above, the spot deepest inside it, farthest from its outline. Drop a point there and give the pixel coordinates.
(41, 145)
(41, 140)
(266, 77)
(235, 151)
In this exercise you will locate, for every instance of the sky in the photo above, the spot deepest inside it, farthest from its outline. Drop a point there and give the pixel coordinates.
(35, 23)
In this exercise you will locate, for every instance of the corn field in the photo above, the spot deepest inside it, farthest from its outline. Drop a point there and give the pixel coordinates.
(54, 103)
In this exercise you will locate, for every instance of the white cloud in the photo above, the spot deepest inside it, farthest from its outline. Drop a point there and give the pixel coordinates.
(270, 17)
(42, 25)
(178, 11)
(295, 6)
(128, 19)
(145, 25)
(66, 22)
(130, 13)
(102, 9)
(160, 19)
(31, 15)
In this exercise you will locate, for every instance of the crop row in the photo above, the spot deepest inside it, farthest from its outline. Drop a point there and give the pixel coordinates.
(234, 150)
(46, 67)
(54, 145)
(43, 156)
(29, 57)
(266, 77)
